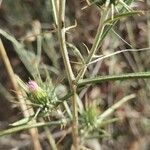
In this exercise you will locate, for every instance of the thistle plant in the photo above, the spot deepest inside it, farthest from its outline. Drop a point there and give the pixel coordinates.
(69, 111)
(41, 95)
(44, 98)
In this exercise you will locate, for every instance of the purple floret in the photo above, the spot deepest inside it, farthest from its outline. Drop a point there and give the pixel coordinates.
(32, 85)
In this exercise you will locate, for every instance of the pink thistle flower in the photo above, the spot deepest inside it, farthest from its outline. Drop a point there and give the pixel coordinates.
(33, 86)
(37, 94)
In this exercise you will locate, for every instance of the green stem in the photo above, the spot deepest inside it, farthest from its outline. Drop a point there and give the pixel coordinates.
(62, 41)
(70, 75)
(28, 126)
(75, 119)
(96, 43)
(55, 10)
(97, 80)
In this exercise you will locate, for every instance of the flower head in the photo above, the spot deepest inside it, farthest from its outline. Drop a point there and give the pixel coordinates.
(33, 86)
(35, 93)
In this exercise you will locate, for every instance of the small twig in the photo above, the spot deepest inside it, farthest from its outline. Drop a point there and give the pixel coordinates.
(70, 74)
(117, 52)
(71, 27)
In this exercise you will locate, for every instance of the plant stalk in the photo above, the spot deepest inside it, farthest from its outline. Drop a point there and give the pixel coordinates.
(96, 43)
(70, 75)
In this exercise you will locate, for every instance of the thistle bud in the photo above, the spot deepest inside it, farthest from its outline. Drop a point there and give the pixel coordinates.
(36, 94)
(33, 86)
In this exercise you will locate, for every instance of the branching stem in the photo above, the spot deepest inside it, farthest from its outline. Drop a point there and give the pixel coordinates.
(70, 75)
(96, 43)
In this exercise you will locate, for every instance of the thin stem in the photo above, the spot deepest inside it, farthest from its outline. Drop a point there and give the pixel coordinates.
(97, 80)
(8, 66)
(62, 40)
(55, 11)
(117, 52)
(75, 118)
(96, 43)
(67, 109)
(70, 75)
(33, 132)
(28, 126)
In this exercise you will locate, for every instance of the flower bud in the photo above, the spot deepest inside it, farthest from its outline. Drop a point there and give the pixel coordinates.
(33, 86)
(36, 94)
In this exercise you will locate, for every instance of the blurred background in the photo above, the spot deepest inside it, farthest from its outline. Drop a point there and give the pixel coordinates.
(31, 21)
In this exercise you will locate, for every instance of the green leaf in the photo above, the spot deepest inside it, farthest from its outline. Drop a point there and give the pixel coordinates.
(22, 121)
(122, 15)
(100, 79)
(28, 126)
(28, 58)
